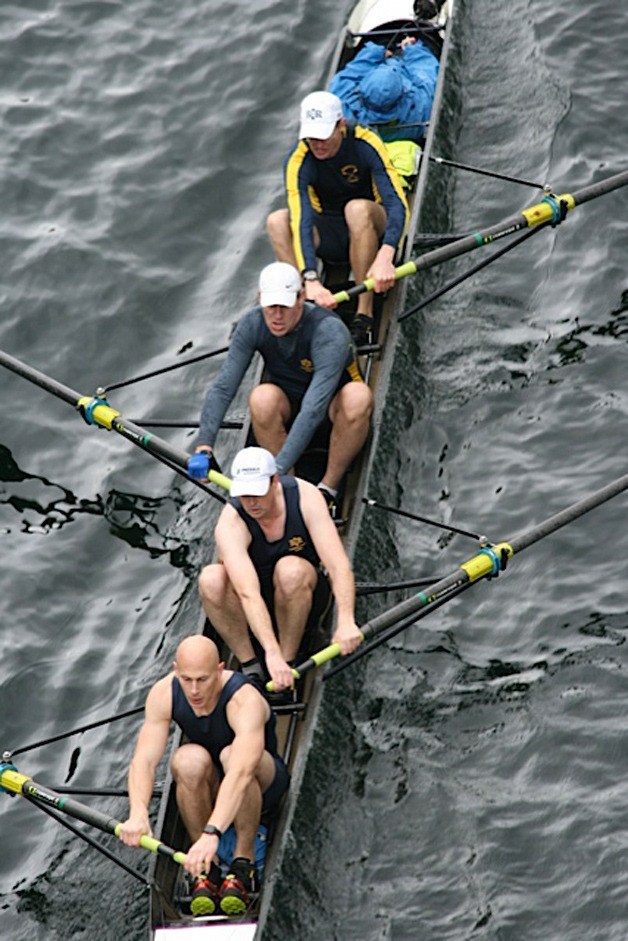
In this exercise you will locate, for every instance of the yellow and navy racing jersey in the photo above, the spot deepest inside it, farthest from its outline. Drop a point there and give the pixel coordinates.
(360, 170)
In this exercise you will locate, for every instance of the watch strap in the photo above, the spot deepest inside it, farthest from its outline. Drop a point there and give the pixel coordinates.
(212, 830)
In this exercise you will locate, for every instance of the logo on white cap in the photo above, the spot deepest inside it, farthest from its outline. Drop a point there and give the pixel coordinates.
(251, 472)
(279, 283)
(320, 112)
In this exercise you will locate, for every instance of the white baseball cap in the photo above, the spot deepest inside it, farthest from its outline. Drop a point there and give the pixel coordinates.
(279, 283)
(251, 471)
(320, 112)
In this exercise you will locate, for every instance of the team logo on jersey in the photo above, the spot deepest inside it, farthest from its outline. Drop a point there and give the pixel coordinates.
(350, 173)
(296, 543)
(307, 365)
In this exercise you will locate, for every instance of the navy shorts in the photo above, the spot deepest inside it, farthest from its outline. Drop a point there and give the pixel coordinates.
(278, 788)
(334, 238)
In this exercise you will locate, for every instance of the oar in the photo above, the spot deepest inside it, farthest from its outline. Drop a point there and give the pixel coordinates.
(487, 563)
(548, 210)
(96, 411)
(160, 372)
(15, 783)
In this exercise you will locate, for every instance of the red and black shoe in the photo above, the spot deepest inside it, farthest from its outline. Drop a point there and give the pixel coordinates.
(204, 900)
(235, 891)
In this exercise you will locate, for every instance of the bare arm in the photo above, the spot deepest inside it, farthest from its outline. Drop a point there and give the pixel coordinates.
(332, 554)
(382, 271)
(232, 541)
(247, 712)
(149, 750)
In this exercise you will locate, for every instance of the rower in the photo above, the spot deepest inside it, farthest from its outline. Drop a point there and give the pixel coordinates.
(345, 203)
(273, 538)
(311, 376)
(228, 770)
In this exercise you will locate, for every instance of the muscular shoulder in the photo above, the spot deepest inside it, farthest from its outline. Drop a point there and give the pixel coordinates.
(247, 709)
(230, 526)
(312, 504)
(159, 700)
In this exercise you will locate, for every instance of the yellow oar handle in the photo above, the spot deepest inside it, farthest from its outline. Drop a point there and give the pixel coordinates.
(316, 660)
(401, 272)
(270, 686)
(155, 846)
(219, 479)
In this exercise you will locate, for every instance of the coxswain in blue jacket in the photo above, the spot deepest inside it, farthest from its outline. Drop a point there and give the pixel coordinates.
(345, 203)
(391, 93)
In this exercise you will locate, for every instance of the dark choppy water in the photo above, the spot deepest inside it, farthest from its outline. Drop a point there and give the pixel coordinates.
(469, 781)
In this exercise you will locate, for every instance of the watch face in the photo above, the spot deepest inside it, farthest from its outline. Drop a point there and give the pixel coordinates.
(310, 276)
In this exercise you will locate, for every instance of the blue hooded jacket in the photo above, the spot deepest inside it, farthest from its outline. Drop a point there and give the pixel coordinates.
(381, 92)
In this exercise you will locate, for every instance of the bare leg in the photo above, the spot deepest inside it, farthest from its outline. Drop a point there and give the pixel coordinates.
(294, 584)
(280, 235)
(247, 819)
(222, 607)
(366, 221)
(197, 782)
(350, 412)
(270, 414)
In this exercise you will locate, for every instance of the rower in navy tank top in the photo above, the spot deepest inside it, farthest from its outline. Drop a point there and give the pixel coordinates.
(277, 545)
(213, 731)
(295, 541)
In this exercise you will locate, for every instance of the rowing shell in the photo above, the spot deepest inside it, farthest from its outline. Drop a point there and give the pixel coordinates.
(296, 723)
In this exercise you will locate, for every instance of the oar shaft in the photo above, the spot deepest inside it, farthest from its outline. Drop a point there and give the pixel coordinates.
(535, 215)
(486, 563)
(529, 537)
(107, 417)
(600, 188)
(16, 783)
(39, 379)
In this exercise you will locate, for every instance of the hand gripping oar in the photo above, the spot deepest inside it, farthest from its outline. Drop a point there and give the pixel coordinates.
(551, 209)
(13, 782)
(96, 411)
(487, 563)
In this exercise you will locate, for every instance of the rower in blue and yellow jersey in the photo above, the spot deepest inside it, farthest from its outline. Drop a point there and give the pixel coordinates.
(345, 203)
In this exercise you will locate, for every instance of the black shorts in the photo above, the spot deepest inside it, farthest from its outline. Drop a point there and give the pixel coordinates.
(277, 789)
(334, 238)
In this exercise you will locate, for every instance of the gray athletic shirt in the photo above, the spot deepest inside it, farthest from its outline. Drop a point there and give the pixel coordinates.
(309, 364)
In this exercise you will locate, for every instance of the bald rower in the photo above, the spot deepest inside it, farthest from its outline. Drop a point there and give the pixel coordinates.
(228, 771)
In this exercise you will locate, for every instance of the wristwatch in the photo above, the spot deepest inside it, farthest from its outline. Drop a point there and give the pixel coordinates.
(311, 274)
(212, 830)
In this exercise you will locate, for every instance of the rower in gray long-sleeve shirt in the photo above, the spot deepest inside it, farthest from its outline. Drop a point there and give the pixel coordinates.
(310, 372)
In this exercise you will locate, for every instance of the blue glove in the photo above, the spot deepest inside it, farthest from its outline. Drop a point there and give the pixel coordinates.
(198, 465)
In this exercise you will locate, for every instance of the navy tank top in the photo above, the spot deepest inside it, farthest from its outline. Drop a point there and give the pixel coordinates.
(213, 731)
(296, 540)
